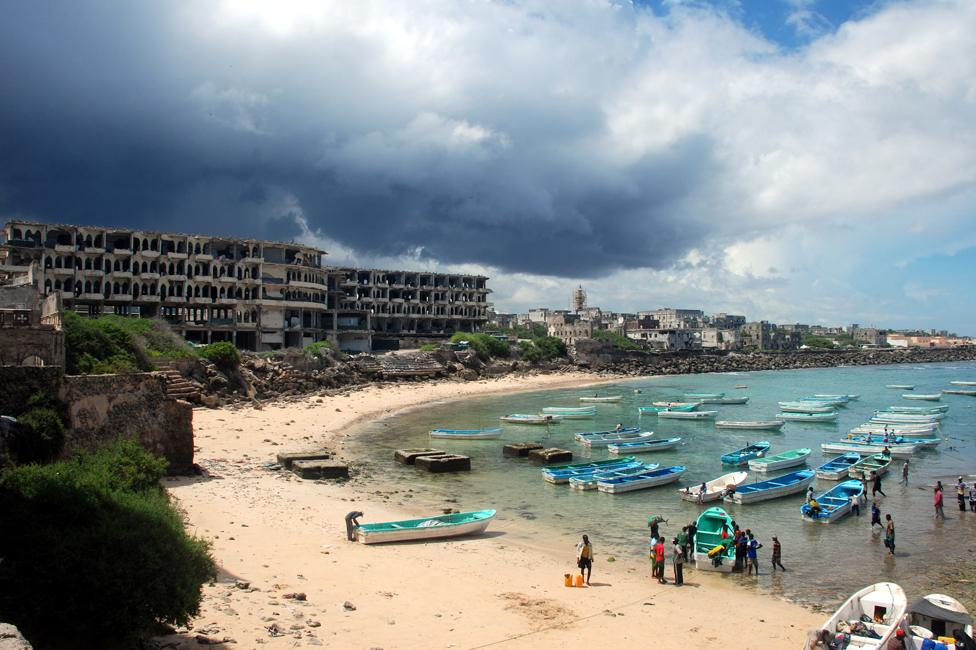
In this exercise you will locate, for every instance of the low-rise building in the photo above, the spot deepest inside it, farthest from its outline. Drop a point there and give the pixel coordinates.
(713, 338)
(569, 328)
(927, 341)
(666, 339)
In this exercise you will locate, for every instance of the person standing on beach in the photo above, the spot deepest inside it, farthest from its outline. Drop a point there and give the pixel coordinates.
(876, 486)
(753, 555)
(875, 515)
(961, 494)
(937, 502)
(683, 543)
(904, 472)
(584, 558)
(777, 554)
(659, 560)
(889, 539)
(678, 555)
(972, 496)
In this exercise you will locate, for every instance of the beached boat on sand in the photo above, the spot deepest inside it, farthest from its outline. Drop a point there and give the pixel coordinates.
(714, 489)
(779, 461)
(528, 418)
(562, 473)
(879, 608)
(834, 503)
(713, 541)
(686, 415)
(838, 468)
(643, 480)
(462, 523)
(807, 417)
(773, 488)
(930, 397)
(761, 425)
(611, 438)
(745, 454)
(804, 407)
(606, 399)
(589, 481)
(870, 466)
(642, 446)
(466, 434)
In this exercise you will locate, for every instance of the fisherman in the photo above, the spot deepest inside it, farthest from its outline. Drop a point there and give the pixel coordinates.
(961, 494)
(678, 558)
(815, 508)
(904, 472)
(889, 539)
(742, 551)
(876, 486)
(937, 502)
(886, 451)
(897, 642)
(701, 493)
(809, 494)
(618, 428)
(875, 515)
(683, 542)
(692, 531)
(753, 555)
(584, 558)
(659, 561)
(972, 496)
(777, 554)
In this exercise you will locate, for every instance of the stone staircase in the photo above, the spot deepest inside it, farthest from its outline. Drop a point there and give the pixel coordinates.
(177, 386)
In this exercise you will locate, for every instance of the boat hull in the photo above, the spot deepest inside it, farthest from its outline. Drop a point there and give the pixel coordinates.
(642, 447)
(758, 425)
(715, 488)
(773, 492)
(619, 487)
(611, 399)
(775, 463)
(473, 434)
(883, 595)
(408, 530)
(686, 415)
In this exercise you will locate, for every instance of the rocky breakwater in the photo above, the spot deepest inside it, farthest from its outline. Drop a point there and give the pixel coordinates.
(600, 356)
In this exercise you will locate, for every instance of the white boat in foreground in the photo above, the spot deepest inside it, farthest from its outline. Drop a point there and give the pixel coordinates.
(462, 523)
(938, 615)
(714, 489)
(763, 425)
(686, 415)
(883, 605)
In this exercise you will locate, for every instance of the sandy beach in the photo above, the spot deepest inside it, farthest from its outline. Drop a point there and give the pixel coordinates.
(275, 535)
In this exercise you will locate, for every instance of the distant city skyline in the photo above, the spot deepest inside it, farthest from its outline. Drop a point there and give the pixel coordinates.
(804, 161)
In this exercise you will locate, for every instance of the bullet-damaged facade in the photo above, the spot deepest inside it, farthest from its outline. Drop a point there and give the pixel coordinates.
(260, 295)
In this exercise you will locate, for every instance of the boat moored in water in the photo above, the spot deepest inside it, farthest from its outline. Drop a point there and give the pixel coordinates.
(773, 488)
(782, 460)
(589, 481)
(654, 410)
(930, 397)
(725, 400)
(807, 417)
(455, 525)
(571, 412)
(832, 504)
(686, 415)
(960, 382)
(528, 418)
(901, 386)
(804, 407)
(607, 439)
(870, 466)
(845, 446)
(643, 480)
(642, 446)
(693, 396)
(606, 399)
(755, 425)
(466, 434)
(838, 468)
(960, 391)
(714, 489)
(562, 473)
(742, 456)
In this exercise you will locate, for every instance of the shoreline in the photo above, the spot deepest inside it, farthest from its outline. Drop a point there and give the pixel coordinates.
(280, 534)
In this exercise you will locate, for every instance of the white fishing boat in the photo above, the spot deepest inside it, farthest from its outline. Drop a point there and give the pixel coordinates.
(678, 404)
(714, 489)
(900, 432)
(804, 407)
(691, 396)
(971, 392)
(825, 401)
(571, 413)
(762, 425)
(725, 400)
(642, 481)
(930, 397)
(607, 399)
(843, 447)
(807, 417)
(466, 434)
(934, 408)
(959, 382)
(938, 615)
(882, 419)
(890, 440)
(901, 386)
(686, 415)
(642, 446)
(773, 488)
(879, 608)
(527, 418)
(870, 466)
(910, 417)
(782, 460)
(850, 397)
(608, 439)
(462, 523)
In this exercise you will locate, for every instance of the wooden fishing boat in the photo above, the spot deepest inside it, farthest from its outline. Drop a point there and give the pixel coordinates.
(725, 400)
(773, 488)
(527, 418)
(895, 441)
(870, 466)
(845, 446)
(823, 401)
(462, 523)
(782, 460)
(930, 397)
(938, 615)
(910, 417)
(902, 432)
(901, 386)
(838, 468)
(466, 434)
(693, 396)
(755, 425)
(834, 503)
(963, 383)
(686, 415)
(654, 410)
(642, 481)
(562, 473)
(589, 481)
(745, 454)
(807, 417)
(674, 404)
(606, 399)
(804, 407)
(714, 489)
(611, 438)
(879, 608)
(713, 541)
(579, 435)
(935, 408)
(849, 397)
(960, 391)
(571, 413)
(642, 446)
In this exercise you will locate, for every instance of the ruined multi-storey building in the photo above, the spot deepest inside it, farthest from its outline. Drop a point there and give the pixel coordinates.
(260, 295)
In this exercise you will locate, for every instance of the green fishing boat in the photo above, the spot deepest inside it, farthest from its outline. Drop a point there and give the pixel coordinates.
(713, 551)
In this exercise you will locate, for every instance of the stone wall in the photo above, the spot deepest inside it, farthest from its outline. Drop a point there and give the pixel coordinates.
(20, 345)
(104, 407)
(17, 384)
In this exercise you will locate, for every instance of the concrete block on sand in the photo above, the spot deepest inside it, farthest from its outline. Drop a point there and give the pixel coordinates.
(519, 449)
(286, 458)
(550, 455)
(444, 463)
(316, 469)
(410, 456)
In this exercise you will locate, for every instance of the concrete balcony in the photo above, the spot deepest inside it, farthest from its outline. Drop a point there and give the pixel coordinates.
(61, 271)
(119, 297)
(147, 298)
(149, 254)
(121, 274)
(252, 260)
(203, 257)
(98, 272)
(226, 301)
(92, 250)
(90, 296)
(177, 256)
(306, 285)
(227, 279)
(171, 299)
(65, 248)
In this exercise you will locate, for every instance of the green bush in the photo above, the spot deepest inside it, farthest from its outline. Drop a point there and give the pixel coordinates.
(618, 340)
(320, 348)
(42, 436)
(486, 346)
(93, 549)
(222, 354)
(542, 348)
(111, 343)
(429, 347)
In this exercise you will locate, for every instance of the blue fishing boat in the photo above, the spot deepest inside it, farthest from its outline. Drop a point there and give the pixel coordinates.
(562, 473)
(466, 434)
(837, 468)
(747, 453)
(641, 446)
(833, 504)
(643, 480)
(654, 410)
(590, 481)
(579, 435)
(773, 488)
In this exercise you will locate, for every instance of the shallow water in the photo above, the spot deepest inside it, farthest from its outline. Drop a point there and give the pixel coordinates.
(826, 562)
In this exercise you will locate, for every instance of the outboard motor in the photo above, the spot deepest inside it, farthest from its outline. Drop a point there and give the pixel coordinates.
(351, 524)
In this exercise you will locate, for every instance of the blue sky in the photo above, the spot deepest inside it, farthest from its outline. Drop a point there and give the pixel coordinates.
(792, 160)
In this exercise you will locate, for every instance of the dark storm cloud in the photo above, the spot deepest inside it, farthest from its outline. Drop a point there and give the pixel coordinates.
(469, 151)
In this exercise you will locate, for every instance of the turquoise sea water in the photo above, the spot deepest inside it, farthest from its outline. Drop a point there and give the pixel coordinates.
(826, 562)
